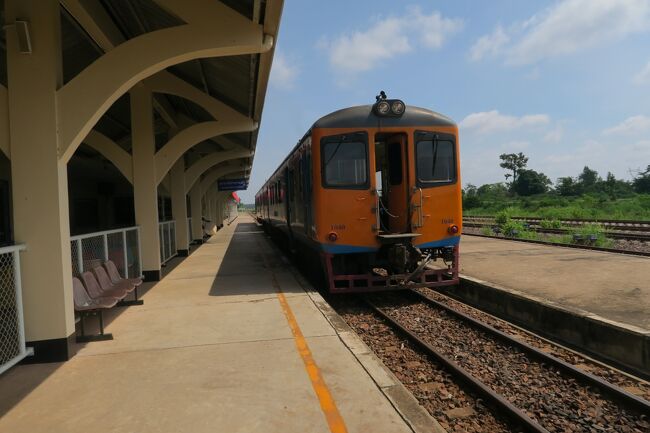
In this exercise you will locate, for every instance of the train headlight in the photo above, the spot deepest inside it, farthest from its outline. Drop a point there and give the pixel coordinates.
(332, 237)
(452, 229)
(382, 108)
(397, 107)
(389, 108)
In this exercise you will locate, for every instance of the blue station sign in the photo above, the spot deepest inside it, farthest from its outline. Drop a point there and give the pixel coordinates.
(232, 185)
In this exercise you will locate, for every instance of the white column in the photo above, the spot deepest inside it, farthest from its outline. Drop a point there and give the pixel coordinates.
(39, 178)
(145, 190)
(197, 211)
(179, 206)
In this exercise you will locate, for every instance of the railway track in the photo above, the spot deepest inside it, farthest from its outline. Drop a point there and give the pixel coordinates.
(536, 391)
(643, 237)
(554, 244)
(617, 225)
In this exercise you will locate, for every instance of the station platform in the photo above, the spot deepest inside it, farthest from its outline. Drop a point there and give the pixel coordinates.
(228, 341)
(615, 287)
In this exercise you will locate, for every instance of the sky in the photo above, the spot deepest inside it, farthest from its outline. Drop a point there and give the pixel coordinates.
(565, 82)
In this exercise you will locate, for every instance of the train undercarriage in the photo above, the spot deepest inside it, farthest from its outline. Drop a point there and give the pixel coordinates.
(396, 267)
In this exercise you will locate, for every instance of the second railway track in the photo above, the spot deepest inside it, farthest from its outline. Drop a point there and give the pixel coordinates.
(536, 391)
(639, 234)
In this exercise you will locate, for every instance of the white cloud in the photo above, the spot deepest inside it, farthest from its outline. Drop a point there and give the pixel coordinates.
(630, 126)
(493, 121)
(643, 76)
(283, 74)
(515, 146)
(566, 28)
(555, 135)
(598, 156)
(580, 156)
(434, 29)
(387, 38)
(361, 51)
(489, 45)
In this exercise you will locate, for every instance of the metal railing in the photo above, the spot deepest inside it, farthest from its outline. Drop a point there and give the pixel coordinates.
(12, 324)
(189, 230)
(167, 230)
(121, 246)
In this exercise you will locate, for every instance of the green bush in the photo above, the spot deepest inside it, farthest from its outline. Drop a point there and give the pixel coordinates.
(587, 230)
(550, 206)
(512, 228)
(502, 218)
(487, 231)
(550, 224)
(529, 235)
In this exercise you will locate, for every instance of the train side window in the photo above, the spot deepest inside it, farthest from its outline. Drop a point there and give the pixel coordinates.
(435, 159)
(344, 160)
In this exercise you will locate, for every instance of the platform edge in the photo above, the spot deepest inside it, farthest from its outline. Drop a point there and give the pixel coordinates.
(408, 407)
(626, 346)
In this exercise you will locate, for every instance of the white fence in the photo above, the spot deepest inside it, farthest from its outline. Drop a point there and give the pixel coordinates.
(167, 231)
(121, 246)
(12, 324)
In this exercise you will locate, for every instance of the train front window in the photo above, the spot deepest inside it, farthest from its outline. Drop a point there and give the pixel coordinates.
(345, 161)
(436, 162)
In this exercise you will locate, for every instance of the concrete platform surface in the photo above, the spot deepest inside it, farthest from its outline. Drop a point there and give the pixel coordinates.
(210, 350)
(614, 286)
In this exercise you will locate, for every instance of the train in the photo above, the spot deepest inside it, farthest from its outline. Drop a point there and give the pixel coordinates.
(372, 194)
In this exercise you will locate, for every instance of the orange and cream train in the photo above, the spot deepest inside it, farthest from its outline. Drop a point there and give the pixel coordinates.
(371, 193)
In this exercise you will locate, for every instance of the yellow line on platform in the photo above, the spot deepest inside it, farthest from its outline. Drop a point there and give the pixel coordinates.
(327, 403)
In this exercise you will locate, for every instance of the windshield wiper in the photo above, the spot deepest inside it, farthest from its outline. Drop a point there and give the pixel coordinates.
(435, 156)
(334, 153)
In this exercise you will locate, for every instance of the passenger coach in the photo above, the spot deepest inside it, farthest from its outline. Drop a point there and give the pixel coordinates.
(371, 193)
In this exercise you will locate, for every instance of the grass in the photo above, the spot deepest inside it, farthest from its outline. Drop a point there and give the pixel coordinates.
(587, 234)
(553, 207)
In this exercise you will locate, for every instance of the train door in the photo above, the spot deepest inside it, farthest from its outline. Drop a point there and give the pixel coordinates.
(391, 156)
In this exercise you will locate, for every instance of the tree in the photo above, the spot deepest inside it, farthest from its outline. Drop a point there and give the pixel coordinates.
(530, 182)
(588, 179)
(642, 182)
(494, 191)
(470, 197)
(567, 186)
(514, 162)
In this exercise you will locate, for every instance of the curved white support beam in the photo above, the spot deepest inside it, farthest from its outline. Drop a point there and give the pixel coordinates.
(111, 151)
(4, 121)
(166, 82)
(189, 137)
(215, 174)
(204, 164)
(217, 31)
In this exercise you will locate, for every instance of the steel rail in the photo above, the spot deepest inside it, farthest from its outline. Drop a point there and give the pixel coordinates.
(643, 236)
(569, 220)
(478, 386)
(581, 375)
(553, 244)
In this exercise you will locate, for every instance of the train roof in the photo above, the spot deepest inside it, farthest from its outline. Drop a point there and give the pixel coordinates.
(363, 116)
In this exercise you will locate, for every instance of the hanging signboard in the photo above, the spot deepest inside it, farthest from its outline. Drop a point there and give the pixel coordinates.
(233, 184)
